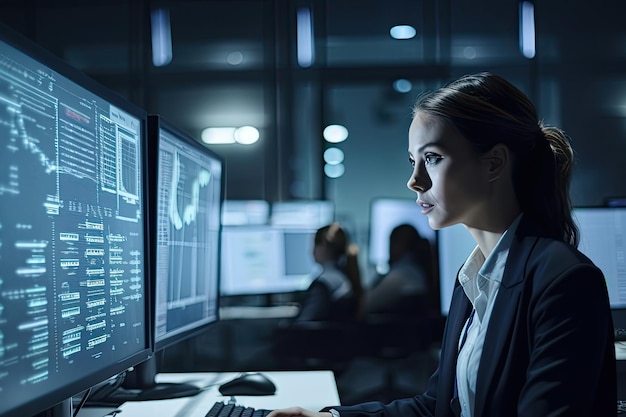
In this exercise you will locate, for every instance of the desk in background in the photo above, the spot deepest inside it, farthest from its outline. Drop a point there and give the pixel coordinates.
(253, 312)
(310, 389)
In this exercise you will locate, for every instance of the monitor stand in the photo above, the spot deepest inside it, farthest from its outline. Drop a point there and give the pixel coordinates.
(62, 409)
(140, 385)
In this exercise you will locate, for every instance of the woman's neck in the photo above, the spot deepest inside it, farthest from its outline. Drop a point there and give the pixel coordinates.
(487, 238)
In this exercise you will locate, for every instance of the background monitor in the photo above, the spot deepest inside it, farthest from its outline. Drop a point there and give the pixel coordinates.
(302, 213)
(261, 260)
(454, 245)
(387, 213)
(74, 296)
(245, 212)
(186, 202)
(276, 257)
(603, 240)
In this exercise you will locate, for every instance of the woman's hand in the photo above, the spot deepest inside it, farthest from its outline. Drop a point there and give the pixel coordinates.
(297, 412)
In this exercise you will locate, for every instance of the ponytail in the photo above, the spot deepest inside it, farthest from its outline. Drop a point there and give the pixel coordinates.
(564, 162)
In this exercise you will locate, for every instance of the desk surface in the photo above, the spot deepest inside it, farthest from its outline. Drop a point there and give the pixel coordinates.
(251, 312)
(620, 350)
(309, 389)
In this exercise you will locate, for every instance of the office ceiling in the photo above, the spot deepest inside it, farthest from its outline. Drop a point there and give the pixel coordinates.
(234, 60)
(245, 37)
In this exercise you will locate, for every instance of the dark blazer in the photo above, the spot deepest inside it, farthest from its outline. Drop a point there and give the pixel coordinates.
(549, 348)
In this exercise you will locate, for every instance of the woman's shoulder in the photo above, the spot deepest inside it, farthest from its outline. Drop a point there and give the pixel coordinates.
(547, 249)
(557, 258)
(332, 277)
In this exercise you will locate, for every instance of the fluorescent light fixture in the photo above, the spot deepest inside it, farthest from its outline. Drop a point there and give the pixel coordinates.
(246, 135)
(305, 38)
(469, 52)
(333, 156)
(218, 135)
(334, 171)
(161, 37)
(527, 29)
(402, 32)
(402, 85)
(335, 133)
(234, 58)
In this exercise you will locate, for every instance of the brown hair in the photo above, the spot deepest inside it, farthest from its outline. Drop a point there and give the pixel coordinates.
(345, 255)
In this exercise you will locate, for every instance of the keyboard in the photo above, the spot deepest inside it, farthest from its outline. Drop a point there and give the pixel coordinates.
(221, 409)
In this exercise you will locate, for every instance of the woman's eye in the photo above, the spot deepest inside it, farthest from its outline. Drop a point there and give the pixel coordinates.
(432, 159)
(412, 162)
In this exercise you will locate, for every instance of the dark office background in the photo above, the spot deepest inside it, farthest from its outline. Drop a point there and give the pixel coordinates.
(235, 63)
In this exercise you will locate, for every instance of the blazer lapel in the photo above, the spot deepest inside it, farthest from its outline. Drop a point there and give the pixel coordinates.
(460, 308)
(502, 319)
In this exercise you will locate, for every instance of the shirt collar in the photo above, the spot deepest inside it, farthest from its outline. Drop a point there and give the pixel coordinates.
(480, 277)
(493, 268)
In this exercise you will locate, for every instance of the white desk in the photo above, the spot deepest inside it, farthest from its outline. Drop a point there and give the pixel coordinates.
(620, 350)
(309, 389)
(250, 312)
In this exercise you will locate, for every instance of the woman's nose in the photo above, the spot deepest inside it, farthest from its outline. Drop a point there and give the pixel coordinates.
(419, 181)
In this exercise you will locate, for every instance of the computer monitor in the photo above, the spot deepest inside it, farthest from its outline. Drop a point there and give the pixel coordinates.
(385, 215)
(263, 260)
(603, 240)
(74, 288)
(302, 213)
(245, 212)
(186, 202)
(276, 257)
(454, 245)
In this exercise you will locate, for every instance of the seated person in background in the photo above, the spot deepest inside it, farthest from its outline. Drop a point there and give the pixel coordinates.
(404, 289)
(336, 293)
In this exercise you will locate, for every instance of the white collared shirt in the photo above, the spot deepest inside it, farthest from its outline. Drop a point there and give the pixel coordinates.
(480, 279)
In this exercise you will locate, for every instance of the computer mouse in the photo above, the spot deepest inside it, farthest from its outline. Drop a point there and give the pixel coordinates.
(250, 383)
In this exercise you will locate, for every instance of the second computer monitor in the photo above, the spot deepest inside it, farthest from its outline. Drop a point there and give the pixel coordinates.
(188, 199)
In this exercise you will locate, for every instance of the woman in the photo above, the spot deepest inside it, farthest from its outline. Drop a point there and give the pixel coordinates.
(336, 293)
(404, 290)
(529, 331)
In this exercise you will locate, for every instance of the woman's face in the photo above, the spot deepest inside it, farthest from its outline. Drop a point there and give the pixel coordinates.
(449, 176)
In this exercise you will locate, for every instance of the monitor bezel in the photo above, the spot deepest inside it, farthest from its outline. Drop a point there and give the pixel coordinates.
(92, 377)
(155, 124)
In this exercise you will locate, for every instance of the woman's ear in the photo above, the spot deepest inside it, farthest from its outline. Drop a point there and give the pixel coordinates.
(497, 160)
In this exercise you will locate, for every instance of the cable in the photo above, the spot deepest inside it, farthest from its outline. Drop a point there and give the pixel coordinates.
(82, 402)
